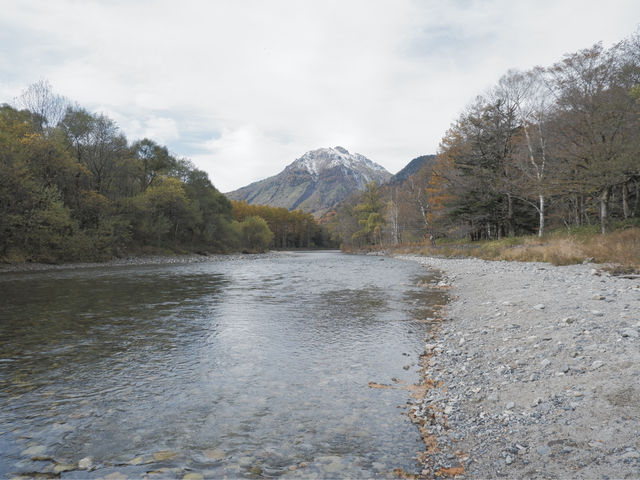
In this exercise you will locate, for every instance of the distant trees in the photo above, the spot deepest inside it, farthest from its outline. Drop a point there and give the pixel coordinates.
(597, 121)
(291, 229)
(370, 216)
(386, 214)
(555, 146)
(255, 234)
(569, 146)
(73, 188)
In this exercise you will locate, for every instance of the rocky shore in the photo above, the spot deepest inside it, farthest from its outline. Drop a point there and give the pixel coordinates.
(532, 372)
(132, 260)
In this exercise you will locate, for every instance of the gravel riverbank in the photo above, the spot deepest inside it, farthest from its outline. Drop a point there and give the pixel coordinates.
(133, 260)
(534, 373)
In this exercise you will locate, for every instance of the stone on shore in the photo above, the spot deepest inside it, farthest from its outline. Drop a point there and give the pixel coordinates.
(548, 390)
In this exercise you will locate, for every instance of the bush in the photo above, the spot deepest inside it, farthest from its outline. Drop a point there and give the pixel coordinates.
(255, 235)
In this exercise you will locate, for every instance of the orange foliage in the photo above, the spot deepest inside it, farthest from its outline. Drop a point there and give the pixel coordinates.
(290, 228)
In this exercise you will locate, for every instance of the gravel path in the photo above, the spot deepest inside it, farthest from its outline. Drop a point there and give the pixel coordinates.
(535, 373)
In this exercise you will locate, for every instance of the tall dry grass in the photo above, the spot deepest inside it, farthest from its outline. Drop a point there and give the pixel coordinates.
(620, 248)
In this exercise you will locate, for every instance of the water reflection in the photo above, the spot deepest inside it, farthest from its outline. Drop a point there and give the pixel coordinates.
(248, 367)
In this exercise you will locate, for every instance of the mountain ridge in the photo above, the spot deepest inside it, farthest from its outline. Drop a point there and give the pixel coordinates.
(314, 182)
(411, 168)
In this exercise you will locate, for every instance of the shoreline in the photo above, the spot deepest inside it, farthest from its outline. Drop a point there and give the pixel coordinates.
(533, 372)
(134, 260)
(116, 262)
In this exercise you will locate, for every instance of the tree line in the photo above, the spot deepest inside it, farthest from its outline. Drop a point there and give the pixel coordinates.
(544, 148)
(72, 187)
(290, 229)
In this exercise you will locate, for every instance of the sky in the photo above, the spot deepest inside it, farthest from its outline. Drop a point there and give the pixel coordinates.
(243, 88)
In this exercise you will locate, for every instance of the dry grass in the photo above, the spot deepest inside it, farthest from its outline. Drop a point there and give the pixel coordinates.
(620, 248)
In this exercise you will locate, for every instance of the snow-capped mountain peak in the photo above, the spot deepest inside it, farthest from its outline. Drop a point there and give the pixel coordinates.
(315, 182)
(317, 161)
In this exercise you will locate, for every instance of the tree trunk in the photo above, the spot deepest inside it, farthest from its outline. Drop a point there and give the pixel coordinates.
(625, 200)
(604, 209)
(541, 213)
(576, 209)
(510, 225)
(583, 212)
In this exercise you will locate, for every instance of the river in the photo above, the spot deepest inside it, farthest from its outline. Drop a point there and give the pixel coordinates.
(241, 367)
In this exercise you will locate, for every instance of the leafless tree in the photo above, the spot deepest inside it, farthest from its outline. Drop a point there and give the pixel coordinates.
(39, 98)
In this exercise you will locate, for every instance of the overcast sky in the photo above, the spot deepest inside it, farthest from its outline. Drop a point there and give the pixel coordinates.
(243, 88)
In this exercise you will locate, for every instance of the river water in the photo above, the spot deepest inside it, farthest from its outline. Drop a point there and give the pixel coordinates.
(255, 366)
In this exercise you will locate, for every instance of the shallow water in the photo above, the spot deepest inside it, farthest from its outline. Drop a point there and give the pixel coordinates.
(251, 367)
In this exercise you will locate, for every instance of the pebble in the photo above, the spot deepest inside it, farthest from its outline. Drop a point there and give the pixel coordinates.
(34, 450)
(116, 476)
(138, 460)
(543, 451)
(164, 455)
(597, 364)
(630, 333)
(214, 454)
(540, 306)
(64, 467)
(193, 476)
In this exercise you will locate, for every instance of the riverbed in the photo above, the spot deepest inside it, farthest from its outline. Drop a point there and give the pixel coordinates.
(242, 367)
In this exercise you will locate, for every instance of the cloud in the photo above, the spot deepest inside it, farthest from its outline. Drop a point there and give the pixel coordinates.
(243, 88)
(239, 153)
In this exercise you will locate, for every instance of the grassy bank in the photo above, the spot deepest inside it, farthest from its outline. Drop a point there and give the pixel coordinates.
(620, 248)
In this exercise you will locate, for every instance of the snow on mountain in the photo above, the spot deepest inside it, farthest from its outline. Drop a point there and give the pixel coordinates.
(322, 159)
(315, 182)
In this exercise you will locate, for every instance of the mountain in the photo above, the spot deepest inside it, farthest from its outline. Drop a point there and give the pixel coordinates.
(411, 168)
(315, 182)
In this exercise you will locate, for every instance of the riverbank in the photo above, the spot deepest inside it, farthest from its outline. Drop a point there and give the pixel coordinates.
(618, 251)
(133, 260)
(534, 373)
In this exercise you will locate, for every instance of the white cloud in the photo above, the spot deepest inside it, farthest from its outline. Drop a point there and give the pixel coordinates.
(161, 129)
(239, 153)
(270, 80)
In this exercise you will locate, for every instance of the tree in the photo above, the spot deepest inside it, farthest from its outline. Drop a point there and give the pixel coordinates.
(596, 119)
(152, 159)
(255, 234)
(527, 95)
(211, 212)
(480, 145)
(39, 99)
(370, 216)
(162, 210)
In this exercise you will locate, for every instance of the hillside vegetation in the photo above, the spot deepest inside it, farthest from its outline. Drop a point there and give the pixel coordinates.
(553, 149)
(73, 188)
